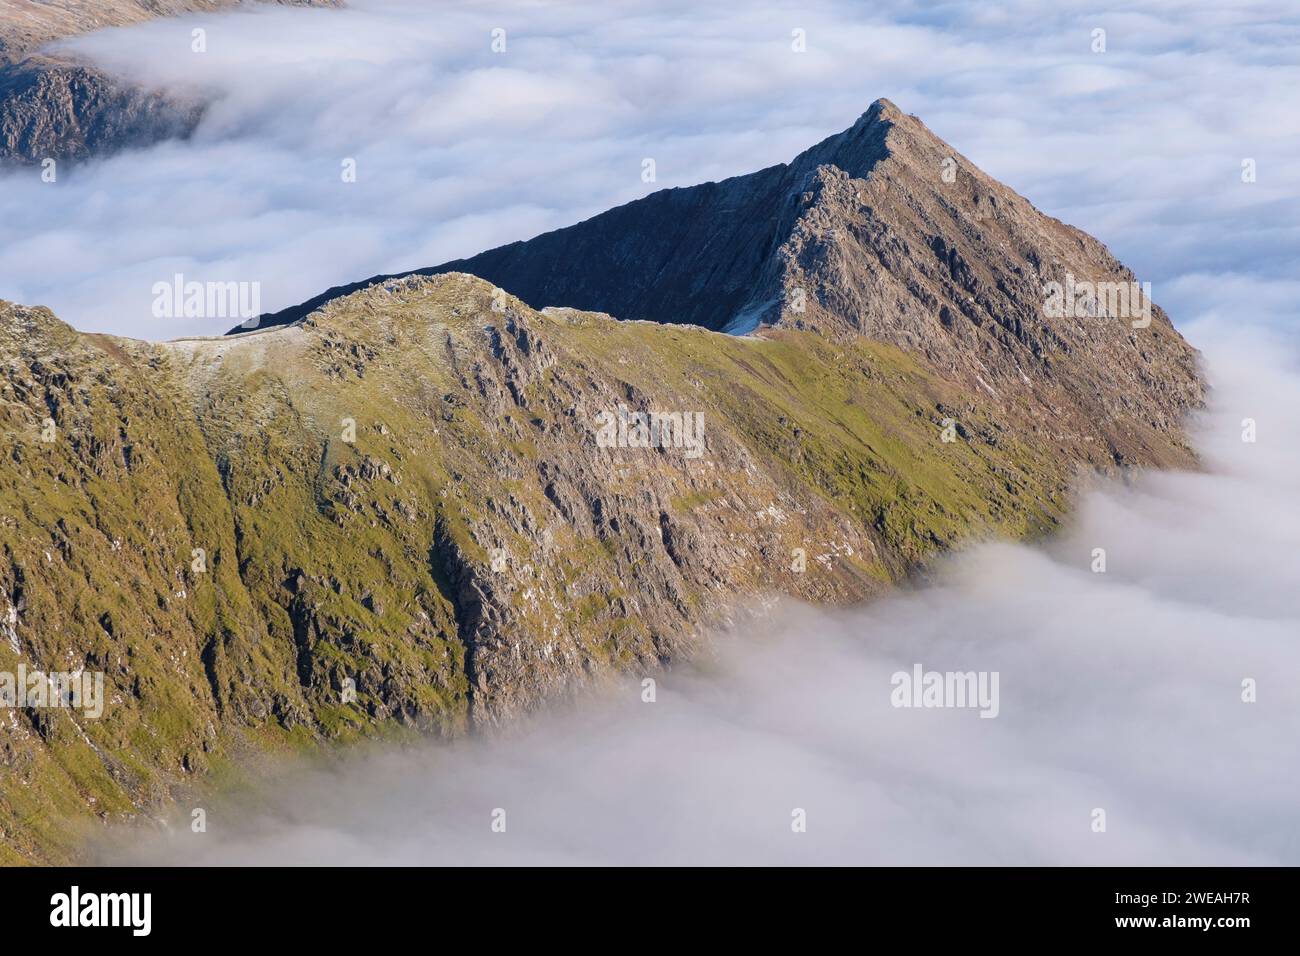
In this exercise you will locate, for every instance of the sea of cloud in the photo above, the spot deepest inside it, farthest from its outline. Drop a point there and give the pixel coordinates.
(459, 148)
(1161, 691)
(1119, 691)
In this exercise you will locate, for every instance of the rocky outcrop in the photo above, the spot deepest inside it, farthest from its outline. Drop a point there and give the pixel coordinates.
(52, 109)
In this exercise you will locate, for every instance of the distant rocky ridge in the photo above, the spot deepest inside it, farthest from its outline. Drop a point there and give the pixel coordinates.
(53, 106)
(54, 109)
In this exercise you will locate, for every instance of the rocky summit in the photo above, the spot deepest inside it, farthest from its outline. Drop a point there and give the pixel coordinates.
(886, 232)
(435, 502)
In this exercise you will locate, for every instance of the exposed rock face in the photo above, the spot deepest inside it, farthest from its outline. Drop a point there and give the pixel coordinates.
(60, 110)
(883, 231)
(54, 107)
(414, 495)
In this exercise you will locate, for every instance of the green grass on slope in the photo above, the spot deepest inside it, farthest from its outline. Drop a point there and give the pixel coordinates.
(328, 548)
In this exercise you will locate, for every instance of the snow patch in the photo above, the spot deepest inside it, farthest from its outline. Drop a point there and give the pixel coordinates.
(748, 318)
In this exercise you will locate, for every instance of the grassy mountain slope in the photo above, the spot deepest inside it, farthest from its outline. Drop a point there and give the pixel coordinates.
(405, 494)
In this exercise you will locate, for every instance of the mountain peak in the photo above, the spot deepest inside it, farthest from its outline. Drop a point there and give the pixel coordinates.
(882, 231)
(857, 149)
(881, 111)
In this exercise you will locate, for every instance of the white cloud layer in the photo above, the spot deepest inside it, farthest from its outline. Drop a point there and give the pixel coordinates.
(1120, 691)
(459, 148)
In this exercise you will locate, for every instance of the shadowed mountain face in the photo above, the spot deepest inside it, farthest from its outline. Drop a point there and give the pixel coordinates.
(693, 256)
(698, 256)
(887, 232)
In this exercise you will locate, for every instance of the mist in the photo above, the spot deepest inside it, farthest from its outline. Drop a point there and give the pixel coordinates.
(1160, 691)
(458, 148)
(1123, 691)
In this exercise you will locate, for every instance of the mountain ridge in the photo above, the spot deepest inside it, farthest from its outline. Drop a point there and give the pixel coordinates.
(407, 513)
(774, 172)
(407, 495)
(882, 230)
